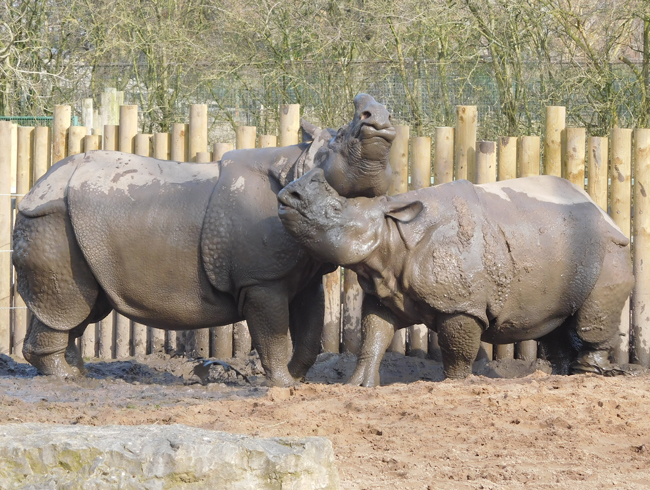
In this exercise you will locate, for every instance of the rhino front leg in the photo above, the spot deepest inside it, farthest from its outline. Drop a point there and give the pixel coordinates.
(306, 316)
(460, 339)
(378, 326)
(266, 310)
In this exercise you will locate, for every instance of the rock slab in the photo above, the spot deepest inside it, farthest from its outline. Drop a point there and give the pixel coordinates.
(153, 457)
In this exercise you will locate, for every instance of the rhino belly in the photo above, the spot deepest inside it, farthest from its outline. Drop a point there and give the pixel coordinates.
(138, 222)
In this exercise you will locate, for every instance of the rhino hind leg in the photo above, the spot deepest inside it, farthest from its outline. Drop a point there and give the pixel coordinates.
(460, 340)
(306, 314)
(597, 320)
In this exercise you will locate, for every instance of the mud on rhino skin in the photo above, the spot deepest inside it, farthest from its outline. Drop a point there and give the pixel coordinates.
(530, 258)
(182, 245)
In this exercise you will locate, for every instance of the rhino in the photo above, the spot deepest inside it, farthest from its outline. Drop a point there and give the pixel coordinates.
(522, 259)
(186, 245)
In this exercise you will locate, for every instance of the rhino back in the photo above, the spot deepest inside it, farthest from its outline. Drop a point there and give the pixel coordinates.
(138, 222)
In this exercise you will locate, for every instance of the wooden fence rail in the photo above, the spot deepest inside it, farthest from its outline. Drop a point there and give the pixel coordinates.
(27, 152)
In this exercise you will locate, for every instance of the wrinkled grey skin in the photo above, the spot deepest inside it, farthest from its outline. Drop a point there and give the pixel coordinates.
(531, 258)
(185, 246)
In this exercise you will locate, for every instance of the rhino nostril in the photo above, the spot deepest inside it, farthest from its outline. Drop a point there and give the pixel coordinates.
(296, 195)
(365, 115)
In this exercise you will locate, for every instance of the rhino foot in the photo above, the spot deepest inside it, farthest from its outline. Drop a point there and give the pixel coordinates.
(366, 376)
(596, 362)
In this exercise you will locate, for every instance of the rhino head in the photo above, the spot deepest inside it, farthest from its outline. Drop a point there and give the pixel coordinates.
(355, 159)
(335, 229)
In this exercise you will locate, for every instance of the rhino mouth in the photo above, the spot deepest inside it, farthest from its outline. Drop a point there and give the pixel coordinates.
(367, 132)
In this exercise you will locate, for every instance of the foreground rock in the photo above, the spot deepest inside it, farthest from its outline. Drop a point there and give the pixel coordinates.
(48, 456)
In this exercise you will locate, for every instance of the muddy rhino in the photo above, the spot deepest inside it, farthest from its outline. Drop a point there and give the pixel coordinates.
(184, 245)
(530, 258)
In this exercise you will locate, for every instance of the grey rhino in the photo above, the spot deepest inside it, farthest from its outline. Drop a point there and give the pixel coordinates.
(185, 245)
(530, 258)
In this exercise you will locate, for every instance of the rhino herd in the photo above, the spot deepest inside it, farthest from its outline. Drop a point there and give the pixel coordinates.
(181, 246)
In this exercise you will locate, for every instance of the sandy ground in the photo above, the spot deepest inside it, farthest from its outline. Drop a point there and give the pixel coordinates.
(415, 432)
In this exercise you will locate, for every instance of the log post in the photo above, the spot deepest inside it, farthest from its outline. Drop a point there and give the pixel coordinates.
(60, 127)
(111, 137)
(128, 128)
(573, 156)
(555, 124)
(507, 158)
(620, 204)
(203, 157)
(222, 342)
(76, 135)
(180, 142)
(87, 115)
(399, 163)
(352, 303)
(466, 127)
(507, 169)
(92, 142)
(598, 157)
(443, 160)
(198, 130)
(5, 236)
(267, 141)
(219, 149)
(246, 136)
(161, 146)
(641, 243)
(42, 152)
(418, 345)
(241, 339)
(289, 124)
(142, 144)
(443, 172)
(527, 166)
(486, 172)
(24, 158)
(331, 338)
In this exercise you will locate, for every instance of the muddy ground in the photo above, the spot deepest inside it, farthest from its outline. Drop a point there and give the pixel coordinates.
(510, 426)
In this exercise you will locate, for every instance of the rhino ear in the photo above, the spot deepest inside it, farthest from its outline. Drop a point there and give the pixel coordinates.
(404, 212)
(311, 132)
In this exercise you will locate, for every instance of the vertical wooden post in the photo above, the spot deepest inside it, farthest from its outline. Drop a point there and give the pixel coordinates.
(641, 294)
(203, 157)
(87, 114)
(418, 345)
(352, 303)
(573, 156)
(443, 161)
(180, 142)
(92, 142)
(528, 156)
(98, 124)
(289, 124)
(527, 166)
(161, 146)
(507, 169)
(76, 135)
(111, 137)
(14, 153)
(332, 323)
(267, 141)
(620, 205)
(466, 126)
(128, 128)
(219, 149)
(42, 152)
(198, 130)
(486, 172)
(598, 157)
(399, 162)
(60, 127)
(246, 136)
(555, 123)
(507, 158)
(241, 339)
(222, 342)
(142, 144)
(5, 236)
(24, 158)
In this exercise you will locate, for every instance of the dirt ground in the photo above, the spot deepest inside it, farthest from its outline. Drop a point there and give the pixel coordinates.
(535, 431)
